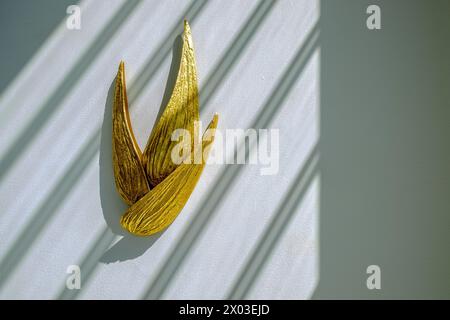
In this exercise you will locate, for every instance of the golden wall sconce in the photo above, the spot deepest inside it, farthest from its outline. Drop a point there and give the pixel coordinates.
(156, 188)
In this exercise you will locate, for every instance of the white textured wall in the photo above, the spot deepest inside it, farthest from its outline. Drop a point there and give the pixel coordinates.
(241, 234)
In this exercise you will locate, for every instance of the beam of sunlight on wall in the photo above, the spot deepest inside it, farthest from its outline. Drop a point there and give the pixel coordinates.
(262, 73)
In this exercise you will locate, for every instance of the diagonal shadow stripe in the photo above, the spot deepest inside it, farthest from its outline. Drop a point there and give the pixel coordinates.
(223, 184)
(64, 88)
(43, 15)
(222, 67)
(234, 51)
(275, 228)
(25, 239)
(152, 66)
(163, 51)
(89, 262)
(63, 187)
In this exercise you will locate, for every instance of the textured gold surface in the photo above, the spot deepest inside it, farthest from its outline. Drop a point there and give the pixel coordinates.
(153, 210)
(159, 208)
(181, 112)
(131, 182)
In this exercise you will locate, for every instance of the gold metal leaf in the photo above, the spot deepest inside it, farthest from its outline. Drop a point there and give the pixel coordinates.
(129, 174)
(153, 210)
(159, 207)
(181, 112)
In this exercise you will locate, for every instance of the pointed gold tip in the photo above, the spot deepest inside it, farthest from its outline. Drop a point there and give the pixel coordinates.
(187, 29)
(121, 67)
(214, 121)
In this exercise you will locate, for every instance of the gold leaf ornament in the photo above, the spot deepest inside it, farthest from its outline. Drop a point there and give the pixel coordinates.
(159, 207)
(131, 182)
(181, 112)
(153, 185)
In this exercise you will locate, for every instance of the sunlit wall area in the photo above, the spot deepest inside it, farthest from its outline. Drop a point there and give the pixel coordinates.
(242, 234)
